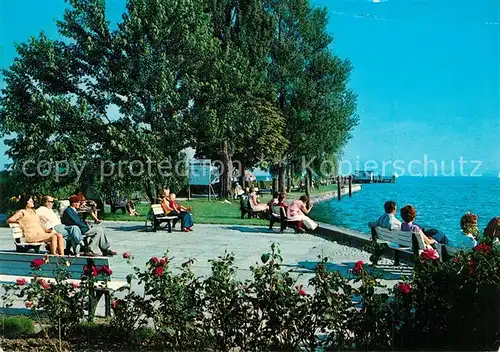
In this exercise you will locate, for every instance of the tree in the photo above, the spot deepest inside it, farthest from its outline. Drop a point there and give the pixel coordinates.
(232, 115)
(105, 98)
(311, 84)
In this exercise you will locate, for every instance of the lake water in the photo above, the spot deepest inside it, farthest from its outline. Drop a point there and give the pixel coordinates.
(440, 202)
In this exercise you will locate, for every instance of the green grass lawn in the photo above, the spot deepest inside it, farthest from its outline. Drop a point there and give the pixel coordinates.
(213, 212)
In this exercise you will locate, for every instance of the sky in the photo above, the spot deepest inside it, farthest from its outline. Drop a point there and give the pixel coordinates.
(426, 72)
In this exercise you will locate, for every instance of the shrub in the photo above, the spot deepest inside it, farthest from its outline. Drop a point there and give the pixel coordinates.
(16, 327)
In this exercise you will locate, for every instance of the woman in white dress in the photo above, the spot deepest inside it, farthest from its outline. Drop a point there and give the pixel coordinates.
(297, 211)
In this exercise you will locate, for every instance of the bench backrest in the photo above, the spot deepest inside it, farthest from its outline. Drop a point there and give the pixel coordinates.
(19, 264)
(402, 238)
(157, 209)
(244, 202)
(17, 233)
(63, 204)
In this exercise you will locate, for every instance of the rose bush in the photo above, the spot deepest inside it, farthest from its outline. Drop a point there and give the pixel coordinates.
(442, 305)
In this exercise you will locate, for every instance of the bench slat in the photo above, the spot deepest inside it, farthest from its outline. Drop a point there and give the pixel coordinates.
(10, 279)
(12, 263)
(402, 238)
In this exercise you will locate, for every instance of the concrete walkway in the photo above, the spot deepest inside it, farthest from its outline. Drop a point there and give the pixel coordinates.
(248, 243)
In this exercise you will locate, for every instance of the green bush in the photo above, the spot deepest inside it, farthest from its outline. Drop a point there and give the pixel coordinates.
(16, 327)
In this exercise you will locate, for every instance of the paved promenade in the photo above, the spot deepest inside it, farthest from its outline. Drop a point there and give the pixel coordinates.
(248, 243)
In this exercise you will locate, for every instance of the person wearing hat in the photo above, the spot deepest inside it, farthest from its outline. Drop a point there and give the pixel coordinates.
(50, 220)
(99, 241)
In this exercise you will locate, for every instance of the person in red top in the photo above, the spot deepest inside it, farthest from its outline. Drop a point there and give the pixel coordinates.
(183, 212)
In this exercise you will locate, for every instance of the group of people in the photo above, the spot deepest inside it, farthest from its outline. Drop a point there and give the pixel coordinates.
(469, 237)
(172, 208)
(297, 210)
(45, 226)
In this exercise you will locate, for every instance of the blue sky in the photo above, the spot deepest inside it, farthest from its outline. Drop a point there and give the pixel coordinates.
(426, 72)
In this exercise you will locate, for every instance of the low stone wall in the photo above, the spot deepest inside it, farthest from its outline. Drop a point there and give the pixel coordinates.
(358, 240)
(333, 194)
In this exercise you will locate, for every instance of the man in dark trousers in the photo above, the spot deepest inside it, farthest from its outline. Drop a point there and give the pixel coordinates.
(98, 242)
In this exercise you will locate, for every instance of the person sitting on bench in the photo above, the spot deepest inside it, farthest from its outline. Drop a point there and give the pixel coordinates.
(297, 212)
(254, 204)
(99, 242)
(492, 230)
(183, 213)
(408, 214)
(470, 231)
(131, 208)
(50, 219)
(89, 206)
(32, 229)
(281, 201)
(388, 220)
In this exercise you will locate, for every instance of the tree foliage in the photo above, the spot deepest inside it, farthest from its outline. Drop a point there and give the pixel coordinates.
(248, 80)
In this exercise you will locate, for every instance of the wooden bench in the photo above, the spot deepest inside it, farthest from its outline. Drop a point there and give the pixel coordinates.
(245, 208)
(282, 219)
(401, 241)
(14, 266)
(20, 243)
(157, 216)
(398, 241)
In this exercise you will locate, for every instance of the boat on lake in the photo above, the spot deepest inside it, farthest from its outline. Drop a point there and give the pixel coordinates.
(367, 176)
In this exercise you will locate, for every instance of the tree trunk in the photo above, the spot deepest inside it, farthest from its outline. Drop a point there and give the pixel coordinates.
(308, 182)
(225, 180)
(289, 179)
(281, 177)
(243, 179)
(150, 193)
(275, 184)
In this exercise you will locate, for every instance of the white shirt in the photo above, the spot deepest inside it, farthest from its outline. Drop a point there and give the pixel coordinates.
(49, 214)
(389, 221)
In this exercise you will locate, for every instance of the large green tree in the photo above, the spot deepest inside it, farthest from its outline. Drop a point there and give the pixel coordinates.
(312, 86)
(107, 99)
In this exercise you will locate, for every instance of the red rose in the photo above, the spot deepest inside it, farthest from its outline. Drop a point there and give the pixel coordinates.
(105, 270)
(154, 260)
(456, 260)
(21, 282)
(472, 263)
(430, 253)
(302, 292)
(127, 255)
(90, 270)
(357, 268)
(403, 287)
(159, 271)
(115, 303)
(483, 248)
(44, 284)
(75, 285)
(37, 263)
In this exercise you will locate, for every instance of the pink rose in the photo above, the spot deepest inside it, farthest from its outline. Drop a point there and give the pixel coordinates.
(28, 304)
(115, 303)
(302, 292)
(37, 263)
(159, 271)
(357, 268)
(105, 270)
(154, 260)
(403, 287)
(127, 255)
(430, 253)
(21, 282)
(44, 284)
(75, 285)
